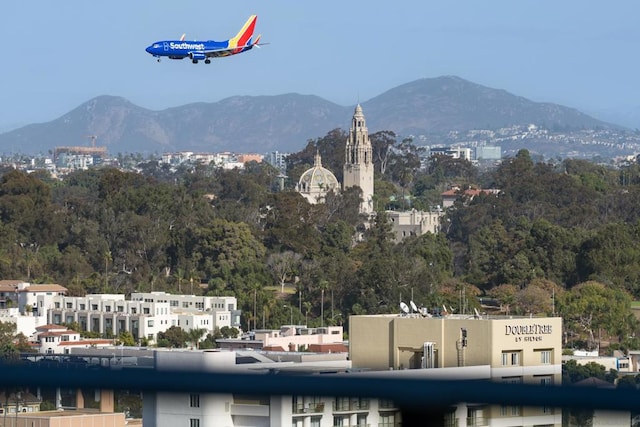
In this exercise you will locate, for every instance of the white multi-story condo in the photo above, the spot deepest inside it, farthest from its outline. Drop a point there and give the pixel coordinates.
(145, 316)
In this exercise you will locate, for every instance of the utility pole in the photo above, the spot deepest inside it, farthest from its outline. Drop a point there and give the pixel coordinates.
(322, 308)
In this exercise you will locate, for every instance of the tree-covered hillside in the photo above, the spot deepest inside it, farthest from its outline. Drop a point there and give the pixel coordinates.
(558, 238)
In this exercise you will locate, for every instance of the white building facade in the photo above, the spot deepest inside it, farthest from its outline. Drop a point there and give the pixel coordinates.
(145, 315)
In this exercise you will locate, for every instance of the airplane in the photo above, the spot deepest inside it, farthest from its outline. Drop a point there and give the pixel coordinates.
(204, 50)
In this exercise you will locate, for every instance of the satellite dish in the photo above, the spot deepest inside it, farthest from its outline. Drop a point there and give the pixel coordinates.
(413, 306)
(404, 307)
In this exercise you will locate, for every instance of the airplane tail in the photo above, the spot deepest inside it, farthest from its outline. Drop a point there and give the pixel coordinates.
(242, 40)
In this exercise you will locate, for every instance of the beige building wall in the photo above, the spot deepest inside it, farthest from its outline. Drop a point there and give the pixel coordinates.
(511, 346)
(512, 350)
(66, 419)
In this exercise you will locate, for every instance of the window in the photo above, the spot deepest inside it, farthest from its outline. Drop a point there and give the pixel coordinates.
(512, 380)
(194, 422)
(545, 379)
(150, 322)
(94, 307)
(513, 411)
(69, 305)
(340, 421)
(194, 401)
(362, 420)
(315, 421)
(545, 357)
(82, 307)
(511, 358)
(145, 310)
(107, 309)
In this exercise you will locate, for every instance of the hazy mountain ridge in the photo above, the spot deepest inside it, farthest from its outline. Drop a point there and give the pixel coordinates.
(285, 122)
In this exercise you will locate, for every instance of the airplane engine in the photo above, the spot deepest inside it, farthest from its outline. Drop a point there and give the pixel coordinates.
(196, 56)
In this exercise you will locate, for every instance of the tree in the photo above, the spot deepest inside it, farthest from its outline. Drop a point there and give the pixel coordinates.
(126, 338)
(591, 306)
(283, 265)
(174, 337)
(8, 349)
(228, 332)
(195, 335)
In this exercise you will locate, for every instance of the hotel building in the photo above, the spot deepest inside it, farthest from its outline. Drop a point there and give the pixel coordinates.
(508, 349)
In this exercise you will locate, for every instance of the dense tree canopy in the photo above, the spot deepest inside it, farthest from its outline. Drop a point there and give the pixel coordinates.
(556, 238)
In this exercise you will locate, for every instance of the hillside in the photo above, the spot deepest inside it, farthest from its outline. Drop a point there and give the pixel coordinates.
(285, 122)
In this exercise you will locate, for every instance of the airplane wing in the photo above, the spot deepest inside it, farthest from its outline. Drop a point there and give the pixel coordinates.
(226, 51)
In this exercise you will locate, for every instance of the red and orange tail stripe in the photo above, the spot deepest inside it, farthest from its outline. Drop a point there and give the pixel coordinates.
(244, 35)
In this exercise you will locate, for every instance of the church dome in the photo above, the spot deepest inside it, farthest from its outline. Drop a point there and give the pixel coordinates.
(315, 183)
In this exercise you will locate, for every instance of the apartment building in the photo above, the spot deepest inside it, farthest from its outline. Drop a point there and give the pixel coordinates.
(145, 315)
(28, 297)
(162, 409)
(225, 309)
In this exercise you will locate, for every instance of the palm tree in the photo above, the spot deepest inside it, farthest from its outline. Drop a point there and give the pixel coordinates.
(195, 335)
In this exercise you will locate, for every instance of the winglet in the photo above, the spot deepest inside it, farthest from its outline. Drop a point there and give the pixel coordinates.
(255, 43)
(183, 36)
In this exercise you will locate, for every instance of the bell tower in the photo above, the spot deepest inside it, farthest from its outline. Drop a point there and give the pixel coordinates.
(358, 166)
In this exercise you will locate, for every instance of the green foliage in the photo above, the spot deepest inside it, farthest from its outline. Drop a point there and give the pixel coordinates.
(228, 332)
(8, 350)
(592, 306)
(552, 231)
(174, 337)
(126, 338)
(573, 372)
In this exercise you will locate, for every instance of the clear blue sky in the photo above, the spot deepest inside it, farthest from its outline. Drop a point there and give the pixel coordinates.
(58, 55)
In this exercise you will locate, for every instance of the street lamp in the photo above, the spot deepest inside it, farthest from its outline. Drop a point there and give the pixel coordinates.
(290, 314)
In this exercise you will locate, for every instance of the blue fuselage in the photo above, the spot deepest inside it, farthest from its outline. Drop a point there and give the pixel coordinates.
(178, 49)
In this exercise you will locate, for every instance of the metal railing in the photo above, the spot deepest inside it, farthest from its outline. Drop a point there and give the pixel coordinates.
(351, 405)
(421, 402)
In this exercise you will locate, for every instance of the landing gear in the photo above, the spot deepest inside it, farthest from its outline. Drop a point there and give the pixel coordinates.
(195, 61)
(158, 59)
(207, 61)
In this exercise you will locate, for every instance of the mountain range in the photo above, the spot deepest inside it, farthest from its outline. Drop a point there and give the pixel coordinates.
(261, 124)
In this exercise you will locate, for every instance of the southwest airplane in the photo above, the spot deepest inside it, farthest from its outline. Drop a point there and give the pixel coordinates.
(203, 50)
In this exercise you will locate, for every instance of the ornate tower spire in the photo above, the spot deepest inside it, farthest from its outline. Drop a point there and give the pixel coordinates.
(358, 166)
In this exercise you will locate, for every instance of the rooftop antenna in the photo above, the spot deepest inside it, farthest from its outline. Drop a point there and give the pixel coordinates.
(413, 306)
(404, 307)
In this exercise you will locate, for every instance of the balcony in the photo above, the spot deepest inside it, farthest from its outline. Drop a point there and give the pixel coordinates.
(477, 422)
(387, 405)
(308, 408)
(351, 406)
(250, 410)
